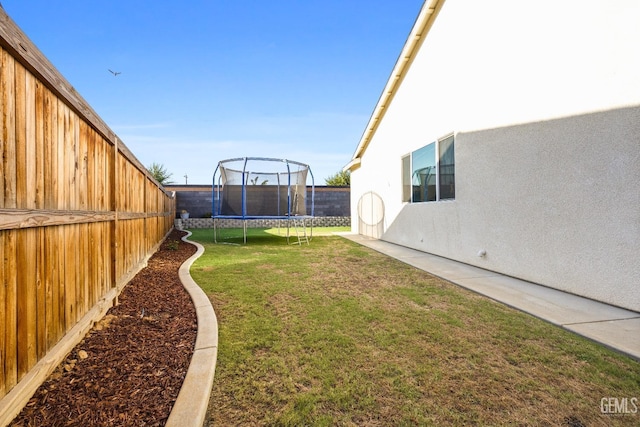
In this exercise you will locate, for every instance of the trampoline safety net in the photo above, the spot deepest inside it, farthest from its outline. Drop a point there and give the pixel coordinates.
(261, 187)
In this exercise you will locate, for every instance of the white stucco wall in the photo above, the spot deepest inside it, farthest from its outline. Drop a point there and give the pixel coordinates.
(554, 201)
(489, 64)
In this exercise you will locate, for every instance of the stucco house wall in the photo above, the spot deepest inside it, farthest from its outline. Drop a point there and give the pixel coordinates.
(543, 99)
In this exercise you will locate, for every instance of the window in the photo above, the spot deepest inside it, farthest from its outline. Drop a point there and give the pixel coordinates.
(428, 174)
(423, 174)
(447, 169)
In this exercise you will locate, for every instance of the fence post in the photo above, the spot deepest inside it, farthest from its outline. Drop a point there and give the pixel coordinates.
(114, 225)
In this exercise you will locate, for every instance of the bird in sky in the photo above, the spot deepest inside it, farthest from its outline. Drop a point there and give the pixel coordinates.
(115, 73)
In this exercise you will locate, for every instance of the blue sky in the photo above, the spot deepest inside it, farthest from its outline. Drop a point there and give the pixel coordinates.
(207, 80)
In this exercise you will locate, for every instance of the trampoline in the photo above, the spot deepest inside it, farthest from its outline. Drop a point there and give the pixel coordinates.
(261, 188)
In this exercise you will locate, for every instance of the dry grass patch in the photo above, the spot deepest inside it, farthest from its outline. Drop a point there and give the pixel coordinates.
(337, 334)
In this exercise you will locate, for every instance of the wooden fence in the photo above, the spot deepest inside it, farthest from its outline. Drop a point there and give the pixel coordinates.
(79, 216)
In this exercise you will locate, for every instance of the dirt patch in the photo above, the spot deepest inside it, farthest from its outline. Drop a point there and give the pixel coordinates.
(130, 367)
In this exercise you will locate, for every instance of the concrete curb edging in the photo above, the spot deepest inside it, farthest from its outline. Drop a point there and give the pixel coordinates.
(190, 408)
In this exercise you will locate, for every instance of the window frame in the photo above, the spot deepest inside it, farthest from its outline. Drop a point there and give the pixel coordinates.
(438, 175)
(407, 188)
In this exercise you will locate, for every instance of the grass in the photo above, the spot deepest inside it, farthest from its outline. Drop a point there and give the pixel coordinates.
(235, 235)
(333, 333)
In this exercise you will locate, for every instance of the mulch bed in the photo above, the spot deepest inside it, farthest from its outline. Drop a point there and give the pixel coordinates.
(130, 367)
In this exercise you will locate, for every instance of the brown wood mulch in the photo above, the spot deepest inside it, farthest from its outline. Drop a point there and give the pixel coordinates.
(130, 367)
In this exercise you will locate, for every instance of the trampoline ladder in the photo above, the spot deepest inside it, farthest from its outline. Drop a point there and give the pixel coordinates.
(298, 223)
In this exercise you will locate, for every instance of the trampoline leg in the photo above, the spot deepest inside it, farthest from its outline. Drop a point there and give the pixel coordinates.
(288, 229)
(304, 230)
(244, 229)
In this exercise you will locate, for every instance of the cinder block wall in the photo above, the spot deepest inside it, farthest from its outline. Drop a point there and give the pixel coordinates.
(322, 221)
(197, 200)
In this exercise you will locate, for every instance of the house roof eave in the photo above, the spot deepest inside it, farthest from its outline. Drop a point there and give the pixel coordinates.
(423, 24)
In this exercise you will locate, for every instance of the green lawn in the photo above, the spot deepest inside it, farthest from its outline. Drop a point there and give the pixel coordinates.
(235, 235)
(333, 333)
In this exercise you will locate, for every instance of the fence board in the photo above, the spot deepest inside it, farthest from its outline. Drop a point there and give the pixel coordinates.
(41, 319)
(29, 139)
(3, 304)
(9, 130)
(49, 152)
(83, 136)
(2, 138)
(61, 184)
(102, 177)
(21, 138)
(95, 263)
(83, 271)
(39, 151)
(106, 256)
(10, 311)
(90, 170)
(59, 292)
(72, 159)
(50, 284)
(67, 149)
(69, 277)
(26, 299)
